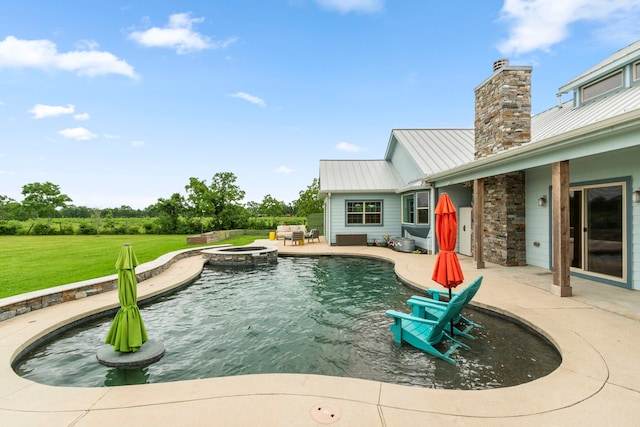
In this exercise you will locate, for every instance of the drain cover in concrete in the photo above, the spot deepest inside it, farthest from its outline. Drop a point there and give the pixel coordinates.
(325, 413)
(150, 352)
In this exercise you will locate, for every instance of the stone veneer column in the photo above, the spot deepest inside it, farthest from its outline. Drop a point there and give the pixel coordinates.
(503, 121)
(504, 219)
(503, 111)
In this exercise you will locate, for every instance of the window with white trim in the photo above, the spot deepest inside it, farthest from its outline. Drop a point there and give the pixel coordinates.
(415, 208)
(422, 207)
(408, 208)
(364, 212)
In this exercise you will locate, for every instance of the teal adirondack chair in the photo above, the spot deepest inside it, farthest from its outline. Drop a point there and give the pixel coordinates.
(429, 308)
(424, 334)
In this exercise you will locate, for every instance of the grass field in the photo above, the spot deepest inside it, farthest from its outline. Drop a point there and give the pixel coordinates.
(30, 263)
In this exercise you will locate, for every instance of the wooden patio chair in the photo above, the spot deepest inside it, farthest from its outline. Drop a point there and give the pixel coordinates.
(297, 237)
(314, 233)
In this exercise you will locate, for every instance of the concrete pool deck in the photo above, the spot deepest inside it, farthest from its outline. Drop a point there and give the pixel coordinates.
(597, 331)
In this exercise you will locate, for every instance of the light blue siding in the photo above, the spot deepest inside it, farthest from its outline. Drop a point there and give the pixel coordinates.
(606, 167)
(404, 164)
(538, 226)
(618, 164)
(390, 216)
(460, 196)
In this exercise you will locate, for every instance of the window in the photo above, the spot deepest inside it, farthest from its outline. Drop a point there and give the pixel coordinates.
(423, 207)
(408, 208)
(367, 212)
(606, 84)
(636, 71)
(415, 205)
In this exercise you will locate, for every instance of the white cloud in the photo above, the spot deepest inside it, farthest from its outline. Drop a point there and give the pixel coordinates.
(81, 116)
(43, 54)
(539, 24)
(87, 45)
(81, 134)
(179, 35)
(349, 148)
(284, 170)
(346, 6)
(250, 98)
(137, 143)
(41, 111)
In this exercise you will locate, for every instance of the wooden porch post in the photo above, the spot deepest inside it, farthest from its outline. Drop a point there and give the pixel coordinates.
(560, 230)
(478, 222)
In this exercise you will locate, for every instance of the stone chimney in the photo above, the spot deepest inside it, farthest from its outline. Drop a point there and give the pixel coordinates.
(503, 121)
(503, 109)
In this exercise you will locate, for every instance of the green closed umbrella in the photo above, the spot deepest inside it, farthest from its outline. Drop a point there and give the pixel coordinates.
(127, 332)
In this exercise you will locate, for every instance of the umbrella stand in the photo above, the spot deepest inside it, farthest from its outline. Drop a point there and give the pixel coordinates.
(451, 321)
(127, 344)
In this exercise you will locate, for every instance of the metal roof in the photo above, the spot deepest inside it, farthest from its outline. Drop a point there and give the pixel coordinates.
(559, 120)
(557, 128)
(355, 176)
(435, 150)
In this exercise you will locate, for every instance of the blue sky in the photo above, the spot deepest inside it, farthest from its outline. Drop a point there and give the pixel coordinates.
(120, 103)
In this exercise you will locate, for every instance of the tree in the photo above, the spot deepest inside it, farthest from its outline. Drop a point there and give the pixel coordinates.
(271, 207)
(170, 210)
(44, 199)
(220, 200)
(199, 197)
(309, 202)
(253, 208)
(5, 207)
(225, 191)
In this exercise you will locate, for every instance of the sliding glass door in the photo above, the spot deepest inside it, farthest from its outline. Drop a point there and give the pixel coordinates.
(598, 229)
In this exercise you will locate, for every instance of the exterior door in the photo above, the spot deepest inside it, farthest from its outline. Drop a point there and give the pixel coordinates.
(597, 224)
(464, 231)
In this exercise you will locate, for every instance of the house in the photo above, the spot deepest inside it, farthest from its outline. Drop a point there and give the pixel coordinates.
(559, 190)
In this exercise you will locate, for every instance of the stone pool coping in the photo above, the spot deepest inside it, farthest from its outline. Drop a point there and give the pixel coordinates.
(597, 382)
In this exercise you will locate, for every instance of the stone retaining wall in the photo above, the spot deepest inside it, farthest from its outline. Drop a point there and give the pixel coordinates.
(24, 303)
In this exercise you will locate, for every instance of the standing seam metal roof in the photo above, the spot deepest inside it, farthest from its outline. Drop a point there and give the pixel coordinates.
(358, 176)
(557, 121)
(435, 150)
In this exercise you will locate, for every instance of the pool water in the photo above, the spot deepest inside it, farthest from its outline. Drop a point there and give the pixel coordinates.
(315, 315)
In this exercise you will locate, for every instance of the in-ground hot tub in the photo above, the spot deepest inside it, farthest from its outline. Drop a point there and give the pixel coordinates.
(241, 256)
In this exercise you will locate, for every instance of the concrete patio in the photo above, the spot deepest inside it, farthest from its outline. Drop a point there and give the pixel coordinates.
(597, 332)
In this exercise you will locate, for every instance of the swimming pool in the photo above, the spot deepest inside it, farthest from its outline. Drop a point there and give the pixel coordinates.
(321, 315)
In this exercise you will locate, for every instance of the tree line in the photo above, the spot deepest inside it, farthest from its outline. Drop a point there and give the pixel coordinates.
(205, 206)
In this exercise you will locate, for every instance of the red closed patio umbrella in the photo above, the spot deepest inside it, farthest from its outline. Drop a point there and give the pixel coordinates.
(447, 269)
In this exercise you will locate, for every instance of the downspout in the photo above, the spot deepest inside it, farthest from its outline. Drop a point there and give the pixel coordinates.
(327, 219)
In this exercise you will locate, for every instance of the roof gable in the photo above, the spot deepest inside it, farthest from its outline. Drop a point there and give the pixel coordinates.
(433, 150)
(624, 56)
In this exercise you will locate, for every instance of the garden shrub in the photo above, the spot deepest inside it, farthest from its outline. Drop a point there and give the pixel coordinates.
(40, 229)
(8, 229)
(86, 229)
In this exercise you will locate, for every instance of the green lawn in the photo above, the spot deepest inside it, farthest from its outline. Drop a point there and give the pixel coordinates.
(30, 263)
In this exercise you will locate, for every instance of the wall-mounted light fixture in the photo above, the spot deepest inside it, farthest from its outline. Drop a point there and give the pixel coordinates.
(542, 201)
(636, 196)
